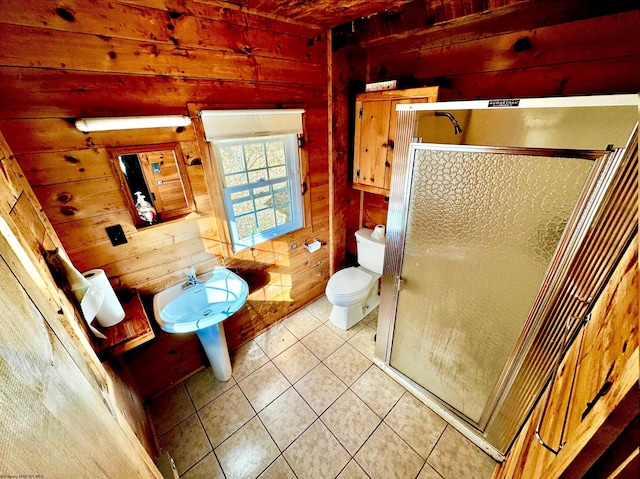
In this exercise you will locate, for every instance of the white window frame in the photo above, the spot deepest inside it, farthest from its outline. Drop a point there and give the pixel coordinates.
(292, 163)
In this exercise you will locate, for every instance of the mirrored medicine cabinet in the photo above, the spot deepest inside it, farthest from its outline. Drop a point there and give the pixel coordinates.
(157, 173)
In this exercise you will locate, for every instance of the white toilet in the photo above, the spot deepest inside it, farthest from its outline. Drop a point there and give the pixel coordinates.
(354, 291)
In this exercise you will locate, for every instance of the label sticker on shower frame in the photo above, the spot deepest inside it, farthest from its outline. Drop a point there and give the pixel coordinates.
(502, 103)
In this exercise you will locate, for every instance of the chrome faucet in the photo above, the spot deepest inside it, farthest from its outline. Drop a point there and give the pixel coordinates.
(191, 278)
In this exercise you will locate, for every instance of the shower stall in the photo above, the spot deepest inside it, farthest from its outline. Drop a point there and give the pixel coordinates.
(480, 291)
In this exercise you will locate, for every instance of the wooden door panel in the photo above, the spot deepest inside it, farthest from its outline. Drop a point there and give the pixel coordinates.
(373, 144)
(610, 339)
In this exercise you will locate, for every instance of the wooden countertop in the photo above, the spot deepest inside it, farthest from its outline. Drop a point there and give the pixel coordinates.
(135, 329)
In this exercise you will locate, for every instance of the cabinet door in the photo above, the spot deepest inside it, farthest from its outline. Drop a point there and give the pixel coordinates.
(609, 346)
(371, 144)
(393, 119)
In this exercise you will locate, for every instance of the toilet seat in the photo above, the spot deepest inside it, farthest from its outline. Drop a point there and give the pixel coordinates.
(350, 285)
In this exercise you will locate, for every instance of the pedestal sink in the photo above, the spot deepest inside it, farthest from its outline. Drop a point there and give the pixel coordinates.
(202, 308)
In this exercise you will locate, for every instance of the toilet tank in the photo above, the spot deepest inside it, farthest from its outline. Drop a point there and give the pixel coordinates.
(370, 251)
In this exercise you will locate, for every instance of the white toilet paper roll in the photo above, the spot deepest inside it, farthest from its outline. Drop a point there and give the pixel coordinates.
(378, 232)
(314, 246)
(110, 312)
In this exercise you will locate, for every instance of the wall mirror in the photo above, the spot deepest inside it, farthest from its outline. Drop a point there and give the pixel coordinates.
(154, 182)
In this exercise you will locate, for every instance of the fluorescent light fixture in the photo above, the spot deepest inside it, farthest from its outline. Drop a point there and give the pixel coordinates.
(131, 122)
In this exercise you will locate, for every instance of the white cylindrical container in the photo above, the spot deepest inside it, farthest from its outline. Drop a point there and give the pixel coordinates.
(110, 312)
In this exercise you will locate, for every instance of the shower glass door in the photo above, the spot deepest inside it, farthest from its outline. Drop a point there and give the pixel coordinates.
(481, 226)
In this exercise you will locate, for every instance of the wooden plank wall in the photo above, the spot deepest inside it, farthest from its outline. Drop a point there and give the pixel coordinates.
(338, 126)
(54, 422)
(593, 56)
(24, 233)
(142, 57)
(596, 55)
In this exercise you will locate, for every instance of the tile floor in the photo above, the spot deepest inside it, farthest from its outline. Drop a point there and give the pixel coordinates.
(306, 401)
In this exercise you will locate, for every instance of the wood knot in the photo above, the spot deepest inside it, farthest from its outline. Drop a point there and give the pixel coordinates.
(522, 44)
(64, 198)
(65, 14)
(68, 210)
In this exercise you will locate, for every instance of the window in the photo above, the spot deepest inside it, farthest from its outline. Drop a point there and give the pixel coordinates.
(261, 185)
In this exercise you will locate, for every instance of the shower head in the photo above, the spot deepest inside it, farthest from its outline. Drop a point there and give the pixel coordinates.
(456, 126)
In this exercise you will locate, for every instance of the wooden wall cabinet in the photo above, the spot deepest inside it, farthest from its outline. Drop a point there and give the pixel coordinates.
(375, 130)
(593, 408)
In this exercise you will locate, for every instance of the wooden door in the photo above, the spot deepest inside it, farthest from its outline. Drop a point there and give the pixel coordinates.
(164, 180)
(392, 133)
(372, 142)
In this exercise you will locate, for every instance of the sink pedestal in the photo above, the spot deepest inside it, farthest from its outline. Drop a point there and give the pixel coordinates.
(214, 343)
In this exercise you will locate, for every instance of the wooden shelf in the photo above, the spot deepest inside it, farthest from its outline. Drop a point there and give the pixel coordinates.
(134, 330)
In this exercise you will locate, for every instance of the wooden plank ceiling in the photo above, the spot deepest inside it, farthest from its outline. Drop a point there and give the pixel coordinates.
(366, 23)
(328, 13)
(331, 13)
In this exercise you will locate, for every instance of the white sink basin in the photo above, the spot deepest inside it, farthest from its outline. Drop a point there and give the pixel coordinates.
(202, 308)
(219, 295)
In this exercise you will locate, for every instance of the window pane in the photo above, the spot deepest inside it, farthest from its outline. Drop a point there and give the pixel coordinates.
(254, 154)
(266, 219)
(263, 202)
(275, 153)
(238, 195)
(263, 190)
(258, 175)
(283, 214)
(232, 160)
(246, 226)
(235, 180)
(242, 208)
(278, 172)
(281, 196)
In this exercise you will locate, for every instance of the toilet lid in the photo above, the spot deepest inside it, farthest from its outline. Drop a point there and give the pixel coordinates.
(348, 281)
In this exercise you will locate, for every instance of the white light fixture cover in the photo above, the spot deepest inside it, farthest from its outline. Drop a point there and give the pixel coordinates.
(221, 124)
(131, 122)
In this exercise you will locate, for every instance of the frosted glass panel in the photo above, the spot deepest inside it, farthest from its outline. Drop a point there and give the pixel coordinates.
(481, 231)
